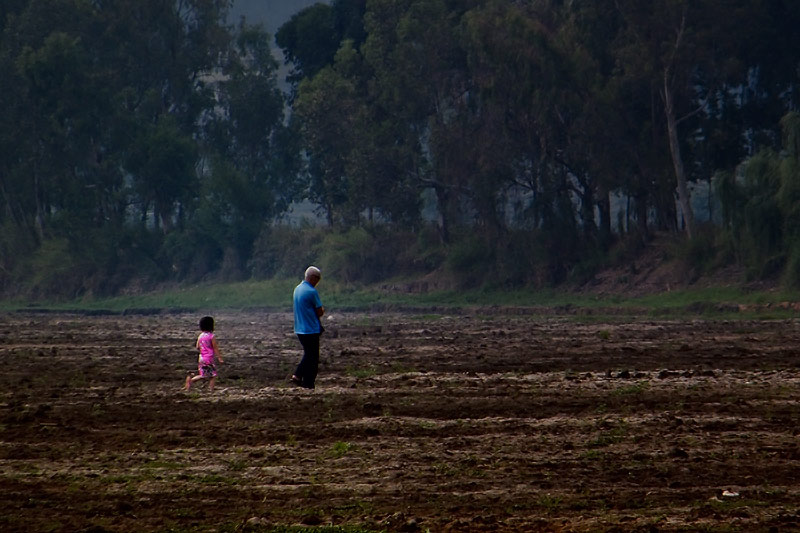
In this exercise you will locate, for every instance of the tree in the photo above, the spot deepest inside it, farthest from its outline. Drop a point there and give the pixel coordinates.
(379, 168)
(788, 195)
(692, 55)
(325, 110)
(248, 142)
(312, 36)
(531, 90)
(163, 160)
(109, 107)
(422, 82)
(760, 207)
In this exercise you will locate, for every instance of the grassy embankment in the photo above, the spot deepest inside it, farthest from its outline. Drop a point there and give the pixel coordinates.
(276, 294)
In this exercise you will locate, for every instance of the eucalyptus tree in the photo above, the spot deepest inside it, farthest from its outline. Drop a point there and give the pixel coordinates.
(687, 53)
(161, 53)
(94, 76)
(309, 41)
(367, 117)
(311, 38)
(249, 158)
(380, 170)
(67, 129)
(356, 150)
(759, 197)
(107, 106)
(764, 58)
(421, 80)
(567, 100)
(60, 181)
(653, 50)
(538, 84)
(326, 109)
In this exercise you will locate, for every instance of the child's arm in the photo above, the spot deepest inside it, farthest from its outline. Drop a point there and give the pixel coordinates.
(216, 349)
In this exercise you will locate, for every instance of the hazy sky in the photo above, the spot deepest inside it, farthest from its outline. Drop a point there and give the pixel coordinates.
(271, 13)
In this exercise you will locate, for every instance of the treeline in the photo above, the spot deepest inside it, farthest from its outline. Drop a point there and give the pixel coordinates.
(518, 142)
(141, 140)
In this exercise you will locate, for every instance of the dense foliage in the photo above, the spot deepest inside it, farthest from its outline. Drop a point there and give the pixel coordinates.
(148, 140)
(141, 140)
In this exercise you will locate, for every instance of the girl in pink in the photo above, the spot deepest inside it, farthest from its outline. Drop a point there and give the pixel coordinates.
(209, 355)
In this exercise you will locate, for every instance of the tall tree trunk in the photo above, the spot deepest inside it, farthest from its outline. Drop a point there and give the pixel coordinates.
(677, 160)
(442, 203)
(329, 213)
(640, 203)
(672, 133)
(38, 216)
(8, 207)
(604, 210)
(587, 211)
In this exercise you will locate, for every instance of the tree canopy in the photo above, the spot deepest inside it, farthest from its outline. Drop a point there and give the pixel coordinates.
(515, 141)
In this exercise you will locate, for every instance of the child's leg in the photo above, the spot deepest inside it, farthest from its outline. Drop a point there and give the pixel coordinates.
(191, 379)
(211, 384)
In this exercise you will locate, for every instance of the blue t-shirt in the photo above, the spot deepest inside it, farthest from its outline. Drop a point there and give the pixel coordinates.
(306, 302)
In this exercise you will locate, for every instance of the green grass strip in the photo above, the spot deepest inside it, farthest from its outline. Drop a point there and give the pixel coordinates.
(277, 294)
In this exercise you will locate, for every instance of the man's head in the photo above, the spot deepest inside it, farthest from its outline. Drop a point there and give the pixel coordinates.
(313, 275)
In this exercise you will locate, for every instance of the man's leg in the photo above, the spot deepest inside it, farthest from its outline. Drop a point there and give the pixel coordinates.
(309, 364)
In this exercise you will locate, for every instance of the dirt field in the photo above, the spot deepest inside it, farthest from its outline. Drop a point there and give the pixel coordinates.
(484, 421)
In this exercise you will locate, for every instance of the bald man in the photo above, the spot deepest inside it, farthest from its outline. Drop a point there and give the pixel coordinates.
(307, 326)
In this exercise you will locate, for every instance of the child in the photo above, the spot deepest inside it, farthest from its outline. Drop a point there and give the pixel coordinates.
(209, 355)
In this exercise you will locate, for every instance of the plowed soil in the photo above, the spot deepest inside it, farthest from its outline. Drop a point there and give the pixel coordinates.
(467, 421)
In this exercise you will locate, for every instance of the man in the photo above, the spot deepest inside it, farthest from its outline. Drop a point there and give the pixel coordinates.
(307, 326)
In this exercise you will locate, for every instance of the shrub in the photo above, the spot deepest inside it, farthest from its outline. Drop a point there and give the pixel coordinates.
(368, 256)
(285, 251)
(470, 259)
(15, 245)
(102, 262)
(700, 254)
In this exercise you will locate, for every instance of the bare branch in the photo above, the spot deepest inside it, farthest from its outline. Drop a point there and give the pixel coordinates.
(675, 48)
(696, 111)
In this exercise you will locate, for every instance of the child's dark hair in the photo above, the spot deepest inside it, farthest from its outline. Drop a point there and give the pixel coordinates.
(207, 323)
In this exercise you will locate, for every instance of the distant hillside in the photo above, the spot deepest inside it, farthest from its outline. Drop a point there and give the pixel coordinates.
(271, 13)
